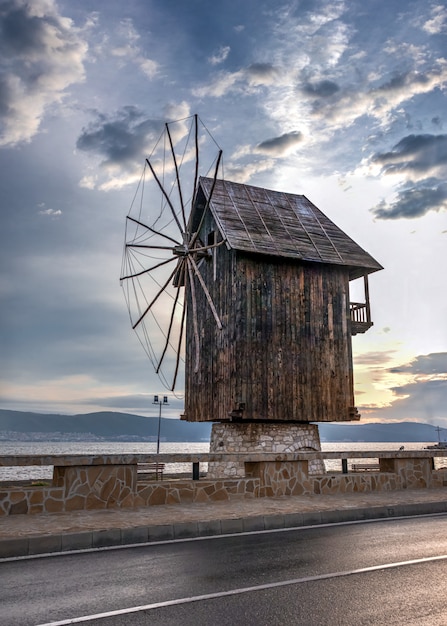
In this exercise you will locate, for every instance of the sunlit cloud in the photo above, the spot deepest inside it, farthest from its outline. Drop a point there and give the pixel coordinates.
(130, 51)
(425, 365)
(417, 390)
(437, 23)
(220, 55)
(374, 358)
(243, 173)
(347, 104)
(50, 212)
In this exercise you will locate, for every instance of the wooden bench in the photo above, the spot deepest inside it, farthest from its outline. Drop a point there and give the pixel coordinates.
(152, 468)
(365, 467)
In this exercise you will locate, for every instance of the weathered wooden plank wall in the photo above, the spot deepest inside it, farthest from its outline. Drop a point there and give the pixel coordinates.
(285, 348)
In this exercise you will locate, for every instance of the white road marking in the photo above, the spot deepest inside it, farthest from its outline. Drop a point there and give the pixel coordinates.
(233, 592)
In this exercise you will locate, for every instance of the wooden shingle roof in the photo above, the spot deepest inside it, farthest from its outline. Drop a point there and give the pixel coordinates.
(281, 224)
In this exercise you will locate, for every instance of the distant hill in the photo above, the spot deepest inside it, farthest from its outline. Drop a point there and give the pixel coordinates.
(390, 432)
(105, 425)
(110, 426)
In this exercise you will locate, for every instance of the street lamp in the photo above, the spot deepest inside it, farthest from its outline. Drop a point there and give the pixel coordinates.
(160, 403)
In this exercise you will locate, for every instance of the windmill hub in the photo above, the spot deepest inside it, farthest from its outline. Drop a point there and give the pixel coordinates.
(180, 250)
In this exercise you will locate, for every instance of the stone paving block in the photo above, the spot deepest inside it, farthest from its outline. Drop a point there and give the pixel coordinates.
(271, 522)
(44, 544)
(421, 508)
(376, 512)
(380, 512)
(138, 534)
(105, 538)
(362, 513)
(210, 528)
(293, 520)
(390, 511)
(186, 530)
(437, 507)
(77, 541)
(13, 547)
(253, 523)
(163, 532)
(231, 526)
(336, 516)
(311, 518)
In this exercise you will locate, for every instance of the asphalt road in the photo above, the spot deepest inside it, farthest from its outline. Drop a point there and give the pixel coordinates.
(387, 572)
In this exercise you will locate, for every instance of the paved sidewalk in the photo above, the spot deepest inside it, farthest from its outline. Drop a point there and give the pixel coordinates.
(24, 535)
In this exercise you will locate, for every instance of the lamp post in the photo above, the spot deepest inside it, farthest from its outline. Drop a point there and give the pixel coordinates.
(160, 403)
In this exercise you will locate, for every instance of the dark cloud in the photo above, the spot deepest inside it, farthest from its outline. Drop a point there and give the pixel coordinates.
(321, 89)
(20, 32)
(41, 54)
(279, 145)
(402, 80)
(120, 138)
(423, 400)
(414, 154)
(262, 71)
(424, 158)
(414, 201)
(426, 364)
(426, 397)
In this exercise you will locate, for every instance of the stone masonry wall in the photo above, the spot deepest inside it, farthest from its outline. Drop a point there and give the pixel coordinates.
(276, 438)
(86, 487)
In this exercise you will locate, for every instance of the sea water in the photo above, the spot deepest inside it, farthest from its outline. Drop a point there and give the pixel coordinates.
(113, 447)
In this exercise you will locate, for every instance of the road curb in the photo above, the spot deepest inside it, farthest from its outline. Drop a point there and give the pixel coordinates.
(97, 539)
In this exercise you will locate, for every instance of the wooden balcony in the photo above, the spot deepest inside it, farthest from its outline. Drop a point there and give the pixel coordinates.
(360, 317)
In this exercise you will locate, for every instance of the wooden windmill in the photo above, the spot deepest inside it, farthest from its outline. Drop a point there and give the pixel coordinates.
(260, 283)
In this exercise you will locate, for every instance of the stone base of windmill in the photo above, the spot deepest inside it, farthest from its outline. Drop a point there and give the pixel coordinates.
(252, 437)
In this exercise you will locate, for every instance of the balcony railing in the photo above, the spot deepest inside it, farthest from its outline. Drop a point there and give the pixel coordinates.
(360, 317)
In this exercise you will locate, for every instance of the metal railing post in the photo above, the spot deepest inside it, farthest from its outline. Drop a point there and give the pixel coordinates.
(195, 470)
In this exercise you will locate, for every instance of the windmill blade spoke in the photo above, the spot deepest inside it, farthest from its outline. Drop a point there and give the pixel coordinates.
(177, 176)
(156, 232)
(151, 304)
(149, 269)
(179, 346)
(144, 245)
(167, 198)
(179, 278)
(196, 170)
(203, 248)
(206, 292)
(194, 315)
(168, 335)
(216, 170)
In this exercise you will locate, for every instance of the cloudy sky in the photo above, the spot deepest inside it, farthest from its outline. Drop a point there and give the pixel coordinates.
(344, 102)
